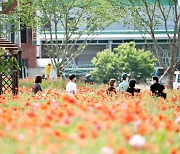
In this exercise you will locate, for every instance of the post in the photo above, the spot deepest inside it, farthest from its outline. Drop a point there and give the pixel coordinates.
(15, 79)
(0, 20)
(0, 84)
(19, 58)
(110, 45)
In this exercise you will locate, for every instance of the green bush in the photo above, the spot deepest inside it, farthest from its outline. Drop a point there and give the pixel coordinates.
(125, 58)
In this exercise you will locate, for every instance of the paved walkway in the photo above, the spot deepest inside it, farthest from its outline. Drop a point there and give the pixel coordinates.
(144, 86)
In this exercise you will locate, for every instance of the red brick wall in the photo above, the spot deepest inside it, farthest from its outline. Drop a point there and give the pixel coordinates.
(11, 8)
(29, 51)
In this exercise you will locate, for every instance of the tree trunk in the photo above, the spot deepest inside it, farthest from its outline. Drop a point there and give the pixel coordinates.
(59, 72)
(170, 78)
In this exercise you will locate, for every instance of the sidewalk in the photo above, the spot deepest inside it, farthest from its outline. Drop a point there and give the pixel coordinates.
(144, 86)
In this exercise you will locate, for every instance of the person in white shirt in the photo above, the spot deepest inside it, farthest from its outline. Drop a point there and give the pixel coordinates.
(123, 86)
(71, 86)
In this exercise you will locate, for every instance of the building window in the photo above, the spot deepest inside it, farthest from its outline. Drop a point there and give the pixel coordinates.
(139, 41)
(162, 41)
(12, 37)
(127, 41)
(91, 41)
(80, 41)
(178, 78)
(117, 41)
(102, 41)
(24, 35)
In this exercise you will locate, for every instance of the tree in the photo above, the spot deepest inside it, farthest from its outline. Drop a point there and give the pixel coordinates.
(76, 19)
(107, 66)
(125, 58)
(149, 16)
(138, 63)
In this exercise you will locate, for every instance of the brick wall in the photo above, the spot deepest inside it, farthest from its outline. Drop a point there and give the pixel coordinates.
(11, 8)
(29, 51)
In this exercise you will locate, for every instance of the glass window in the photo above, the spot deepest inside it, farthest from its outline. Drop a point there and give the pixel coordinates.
(127, 41)
(139, 41)
(23, 36)
(178, 78)
(102, 41)
(174, 80)
(117, 41)
(159, 72)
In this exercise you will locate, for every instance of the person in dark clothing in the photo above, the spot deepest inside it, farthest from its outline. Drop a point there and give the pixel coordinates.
(157, 89)
(131, 89)
(160, 91)
(111, 89)
(37, 86)
(154, 87)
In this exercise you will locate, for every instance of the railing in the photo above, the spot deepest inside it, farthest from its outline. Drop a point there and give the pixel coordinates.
(81, 66)
(80, 70)
(8, 80)
(8, 71)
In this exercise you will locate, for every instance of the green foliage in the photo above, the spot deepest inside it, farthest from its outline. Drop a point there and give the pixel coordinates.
(139, 63)
(107, 66)
(10, 61)
(125, 58)
(7, 4)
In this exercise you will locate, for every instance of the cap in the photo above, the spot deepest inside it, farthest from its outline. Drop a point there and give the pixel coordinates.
(124, 76)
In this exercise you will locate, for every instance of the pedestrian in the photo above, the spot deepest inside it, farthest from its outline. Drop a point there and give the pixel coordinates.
(71, 85)
(37, 86)
(111, 87)
(131, 89)
(47, 71)
(123, 86)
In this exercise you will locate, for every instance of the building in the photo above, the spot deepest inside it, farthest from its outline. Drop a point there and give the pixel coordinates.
(35, 59)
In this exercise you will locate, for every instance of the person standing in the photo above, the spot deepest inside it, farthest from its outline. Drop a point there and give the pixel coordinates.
(123, 86)
(71, 85)
(47, 71)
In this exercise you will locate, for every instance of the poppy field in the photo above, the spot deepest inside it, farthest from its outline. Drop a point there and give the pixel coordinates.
(90, 123)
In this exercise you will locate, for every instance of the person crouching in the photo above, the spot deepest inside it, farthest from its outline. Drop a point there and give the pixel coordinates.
(37, 86)
(131, 89)
(112, 87)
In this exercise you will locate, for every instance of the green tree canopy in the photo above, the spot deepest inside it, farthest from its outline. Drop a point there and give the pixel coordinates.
(106, 66)
(125, 58)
